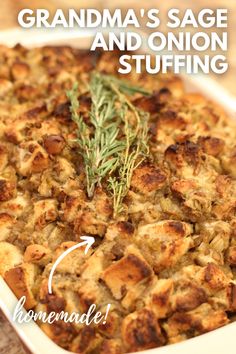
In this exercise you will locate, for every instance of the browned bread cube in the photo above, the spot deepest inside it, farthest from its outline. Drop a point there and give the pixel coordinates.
(21, 280)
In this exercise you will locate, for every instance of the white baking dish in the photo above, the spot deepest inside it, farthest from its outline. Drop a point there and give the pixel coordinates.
(218, 341)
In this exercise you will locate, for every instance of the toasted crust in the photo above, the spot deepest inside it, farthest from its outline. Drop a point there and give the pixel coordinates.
(147, 179)
(164, 242)
(21, 280)
(140, 331)
(10, 256)
(32, 158)
(159, 299)
(126, 273)
(201, 320)
(37, 254)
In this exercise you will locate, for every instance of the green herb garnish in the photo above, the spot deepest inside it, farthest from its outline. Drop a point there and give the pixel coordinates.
(100, 147)
(116, 141)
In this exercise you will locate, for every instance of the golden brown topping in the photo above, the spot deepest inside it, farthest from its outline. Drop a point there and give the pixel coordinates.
(32, 158)
(164, 242)
(17, 206)
(148, 178)
(232, 296)
(62, 111)
(188, 297)
(111, 346)
(6, 223)
(202, 319)
(60, 332)
(73, 261)
(112, 324)
(54, 303)
(140, 331)
(231, 256)
(169, 119)
(178, 154)
(5, 86)
(155, 102)
(7, 190)
(87, 341)
(10, 256)
(37, 254)
(21, 280)
(214, 276)
(25, 92)
(223, 183)
(229, 162)
(36, 112)
(182, 187)
(166, 230)
(20, 70)
(3, 157)
(127, 272)
(54, 144)
(45, 211)
(160, 297)
(210, 145)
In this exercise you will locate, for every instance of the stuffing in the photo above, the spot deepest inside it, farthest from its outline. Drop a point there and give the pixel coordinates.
(164, 242)
(88, 340)
(3, 157)
(200, 320)
(17, 206)
(60, 332)
(6, 223)
(140, 331)
(32, 158)
(10, 256)
(159, 297)
(19, 70)
(123, 275)
(21, 280)
(7, 190)
(111, 346)
(231, 256)
(147, 178)
(229, 162)
(5, 86)
(72, 263)
(45, 211)
(54, 144)
(165, 261)
(37, 254)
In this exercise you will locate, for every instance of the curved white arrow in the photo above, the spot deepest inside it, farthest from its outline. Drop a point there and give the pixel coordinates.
(88, 240)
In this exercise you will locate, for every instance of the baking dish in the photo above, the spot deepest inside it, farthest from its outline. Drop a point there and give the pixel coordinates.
(36, 341)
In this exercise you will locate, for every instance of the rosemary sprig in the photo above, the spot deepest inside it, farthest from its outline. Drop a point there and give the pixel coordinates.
(100, 147)
(136, 149)
(118, 140)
